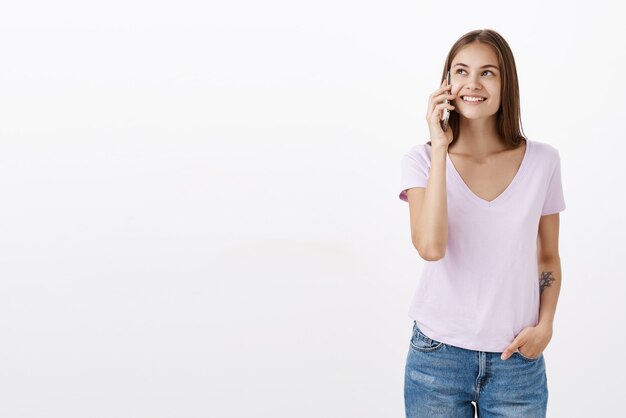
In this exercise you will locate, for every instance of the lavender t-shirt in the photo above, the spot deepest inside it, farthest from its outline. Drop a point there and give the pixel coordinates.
(485, 289)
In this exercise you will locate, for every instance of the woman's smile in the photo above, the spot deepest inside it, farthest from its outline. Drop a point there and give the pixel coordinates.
(473, 101)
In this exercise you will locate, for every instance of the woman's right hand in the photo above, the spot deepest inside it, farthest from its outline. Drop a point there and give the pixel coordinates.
(434, 116)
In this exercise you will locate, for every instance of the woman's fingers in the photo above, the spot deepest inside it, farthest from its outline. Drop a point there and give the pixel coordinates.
(437, 110)
(441, 90)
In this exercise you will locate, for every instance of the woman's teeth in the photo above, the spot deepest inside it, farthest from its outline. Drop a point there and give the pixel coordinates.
(472, 99)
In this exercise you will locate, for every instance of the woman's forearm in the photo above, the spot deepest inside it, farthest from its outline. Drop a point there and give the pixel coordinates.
(549, 288)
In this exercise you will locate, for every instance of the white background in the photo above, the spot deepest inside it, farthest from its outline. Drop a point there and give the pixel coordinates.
(200, 212)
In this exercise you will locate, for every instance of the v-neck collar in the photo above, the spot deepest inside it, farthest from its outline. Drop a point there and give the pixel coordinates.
(473, 196)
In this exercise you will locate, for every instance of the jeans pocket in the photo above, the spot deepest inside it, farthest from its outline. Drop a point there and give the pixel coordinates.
(421, 342)
(527, 358)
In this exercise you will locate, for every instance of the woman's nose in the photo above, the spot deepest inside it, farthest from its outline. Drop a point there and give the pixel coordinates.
(474, 83)
(472, 86)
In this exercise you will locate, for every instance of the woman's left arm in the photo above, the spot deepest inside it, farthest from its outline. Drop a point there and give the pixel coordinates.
(549, 269)
(535, 339)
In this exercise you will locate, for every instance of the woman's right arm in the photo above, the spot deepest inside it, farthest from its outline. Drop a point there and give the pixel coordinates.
(429, 209)
(429, 205)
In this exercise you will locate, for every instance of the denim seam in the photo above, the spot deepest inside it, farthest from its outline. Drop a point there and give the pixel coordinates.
(426, 339)
(426, 348)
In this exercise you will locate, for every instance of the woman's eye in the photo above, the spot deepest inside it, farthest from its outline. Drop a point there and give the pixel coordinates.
(486, 71)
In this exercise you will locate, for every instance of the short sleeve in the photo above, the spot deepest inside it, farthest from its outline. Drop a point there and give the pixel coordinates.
(554, 201)
(415, 167)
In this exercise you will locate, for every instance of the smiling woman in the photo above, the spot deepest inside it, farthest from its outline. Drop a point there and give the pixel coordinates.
(483, 206)
(484, 66)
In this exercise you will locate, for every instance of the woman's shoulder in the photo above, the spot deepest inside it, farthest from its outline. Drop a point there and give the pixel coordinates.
(543, 148)
(544, 154)
(419, 151)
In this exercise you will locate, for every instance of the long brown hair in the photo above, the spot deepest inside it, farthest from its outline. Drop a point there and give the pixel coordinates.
(508, 117)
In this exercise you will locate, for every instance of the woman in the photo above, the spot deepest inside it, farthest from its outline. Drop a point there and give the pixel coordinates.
(484, 203)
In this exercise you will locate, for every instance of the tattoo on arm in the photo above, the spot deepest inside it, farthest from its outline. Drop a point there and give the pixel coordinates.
(545, 280)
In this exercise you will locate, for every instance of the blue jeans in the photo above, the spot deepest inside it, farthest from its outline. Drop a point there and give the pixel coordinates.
(442, 380)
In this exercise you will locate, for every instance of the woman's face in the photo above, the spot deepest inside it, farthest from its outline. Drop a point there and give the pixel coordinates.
(475, 72)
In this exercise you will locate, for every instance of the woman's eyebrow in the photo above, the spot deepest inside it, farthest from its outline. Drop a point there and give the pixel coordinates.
(484, 66)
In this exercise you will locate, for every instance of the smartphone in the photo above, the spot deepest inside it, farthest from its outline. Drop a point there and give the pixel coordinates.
(446, 111)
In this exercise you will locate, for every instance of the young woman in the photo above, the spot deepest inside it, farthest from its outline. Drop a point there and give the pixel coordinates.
(484, 211)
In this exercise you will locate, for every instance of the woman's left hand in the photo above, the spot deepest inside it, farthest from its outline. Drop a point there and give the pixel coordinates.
(533, 339)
